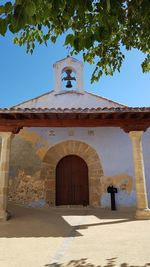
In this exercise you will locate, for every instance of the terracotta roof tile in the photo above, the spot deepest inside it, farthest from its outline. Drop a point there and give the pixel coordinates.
(73, 110)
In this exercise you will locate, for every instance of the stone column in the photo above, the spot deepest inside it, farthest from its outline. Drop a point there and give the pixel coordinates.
(4, 172)
(142, 211)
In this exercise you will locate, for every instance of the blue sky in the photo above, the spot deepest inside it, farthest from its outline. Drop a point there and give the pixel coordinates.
(24, 76)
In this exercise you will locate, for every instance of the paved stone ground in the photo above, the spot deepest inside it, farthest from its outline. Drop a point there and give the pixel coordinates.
(80, 237)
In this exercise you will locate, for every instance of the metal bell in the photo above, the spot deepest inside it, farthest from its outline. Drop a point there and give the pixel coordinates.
(68, 85)
(68, 78)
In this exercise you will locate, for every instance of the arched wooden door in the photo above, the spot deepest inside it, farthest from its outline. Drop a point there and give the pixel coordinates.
(72, 186)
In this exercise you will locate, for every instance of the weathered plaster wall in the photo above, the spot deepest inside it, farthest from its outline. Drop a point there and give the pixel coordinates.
(111, 144)
(25, 185)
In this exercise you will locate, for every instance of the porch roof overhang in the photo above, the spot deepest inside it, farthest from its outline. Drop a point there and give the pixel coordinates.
(127, 118)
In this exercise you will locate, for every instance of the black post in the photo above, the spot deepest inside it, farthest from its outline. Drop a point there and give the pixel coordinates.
(112, 190)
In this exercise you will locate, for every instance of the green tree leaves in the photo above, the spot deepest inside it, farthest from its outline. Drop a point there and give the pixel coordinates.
(8, 7)
(3, 26)
(146, 64)
(100, 29)
(30, 9)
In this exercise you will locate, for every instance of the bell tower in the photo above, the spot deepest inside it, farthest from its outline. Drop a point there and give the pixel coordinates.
(68, 75)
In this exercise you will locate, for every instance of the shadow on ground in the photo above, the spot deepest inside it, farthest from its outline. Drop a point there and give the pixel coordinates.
(84, 263)
(55, 222)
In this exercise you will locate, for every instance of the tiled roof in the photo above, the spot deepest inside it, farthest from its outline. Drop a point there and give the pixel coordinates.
(127, 118)
(74, 110)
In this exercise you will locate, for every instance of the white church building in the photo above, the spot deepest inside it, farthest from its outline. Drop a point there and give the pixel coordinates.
(67, 146)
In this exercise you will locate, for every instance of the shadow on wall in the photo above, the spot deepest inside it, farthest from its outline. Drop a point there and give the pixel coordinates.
(83, 263)
(24, 157)
(25, 186)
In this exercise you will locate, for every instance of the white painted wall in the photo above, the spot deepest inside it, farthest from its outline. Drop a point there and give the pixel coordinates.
(74, 65)
(113, 147)
(68, 99)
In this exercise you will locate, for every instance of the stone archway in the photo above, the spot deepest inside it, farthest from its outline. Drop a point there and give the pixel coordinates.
(60, 150)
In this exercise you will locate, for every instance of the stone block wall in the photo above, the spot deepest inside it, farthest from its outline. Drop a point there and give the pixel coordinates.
(27, 190)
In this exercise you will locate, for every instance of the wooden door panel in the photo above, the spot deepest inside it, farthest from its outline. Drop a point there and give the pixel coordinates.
(62, 186)
(72, 181)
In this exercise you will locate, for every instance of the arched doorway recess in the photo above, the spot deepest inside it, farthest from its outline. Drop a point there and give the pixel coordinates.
(72, 187)
(74, 147)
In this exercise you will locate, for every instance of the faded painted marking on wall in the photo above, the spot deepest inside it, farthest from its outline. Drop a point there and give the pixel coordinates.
(122, 181)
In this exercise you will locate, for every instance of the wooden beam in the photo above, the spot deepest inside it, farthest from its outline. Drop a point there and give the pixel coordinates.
(12, 129)
(74, 123)
(126, 120)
